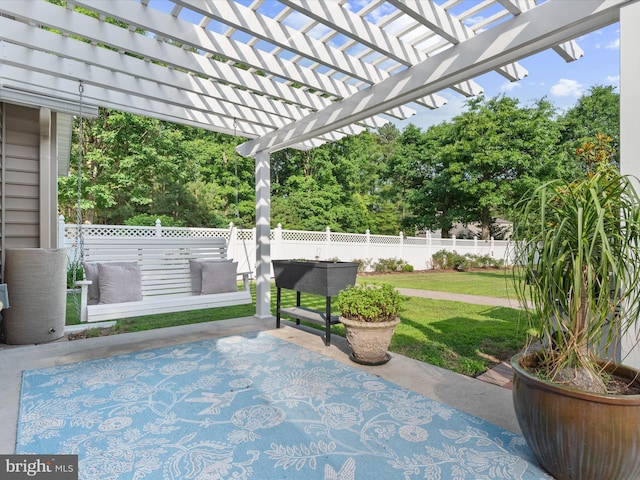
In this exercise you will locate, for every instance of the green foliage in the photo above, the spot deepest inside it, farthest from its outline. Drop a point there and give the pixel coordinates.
(363, 264)
(597, 112)
(337, 185)
(386, 265)
(369, 303)
(135, 165)
(474, 168)
(75, 272)
(471, 169)
(445, 259)
(578, 244)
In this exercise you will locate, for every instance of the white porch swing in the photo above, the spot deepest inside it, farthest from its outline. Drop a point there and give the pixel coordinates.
(130, 277)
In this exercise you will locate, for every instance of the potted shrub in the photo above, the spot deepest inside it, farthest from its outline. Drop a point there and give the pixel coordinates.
(577, 257)
(369, 314)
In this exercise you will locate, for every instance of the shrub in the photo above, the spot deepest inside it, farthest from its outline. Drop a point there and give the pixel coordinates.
(445, 259)
(363, 264)
(385, 265)
(369, 303)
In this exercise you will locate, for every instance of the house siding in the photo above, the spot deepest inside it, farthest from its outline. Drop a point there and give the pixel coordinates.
(20, 177)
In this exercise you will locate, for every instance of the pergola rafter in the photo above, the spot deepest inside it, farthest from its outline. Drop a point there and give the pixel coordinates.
(530, 32)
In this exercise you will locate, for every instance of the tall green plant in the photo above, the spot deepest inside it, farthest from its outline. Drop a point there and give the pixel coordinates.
(578, 244)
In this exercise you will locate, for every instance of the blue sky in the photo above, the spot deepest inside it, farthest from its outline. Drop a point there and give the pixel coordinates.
(549, 76)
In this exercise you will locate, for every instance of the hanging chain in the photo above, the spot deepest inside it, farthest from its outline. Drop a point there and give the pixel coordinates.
(235, 156)
(244, 243)
(79, 235)
(78, 255)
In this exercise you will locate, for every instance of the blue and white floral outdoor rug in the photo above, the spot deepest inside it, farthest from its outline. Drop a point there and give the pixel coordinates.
(253, 407)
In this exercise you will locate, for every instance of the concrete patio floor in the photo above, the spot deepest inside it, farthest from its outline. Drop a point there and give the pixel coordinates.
(487, 401)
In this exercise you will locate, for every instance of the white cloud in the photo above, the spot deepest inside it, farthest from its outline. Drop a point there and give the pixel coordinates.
(613, 45)
(613, 80)
(471, 21)
(510, 86)
(567, 88)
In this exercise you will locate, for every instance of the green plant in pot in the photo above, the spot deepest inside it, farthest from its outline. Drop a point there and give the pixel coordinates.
(369, 314)
(577, 258)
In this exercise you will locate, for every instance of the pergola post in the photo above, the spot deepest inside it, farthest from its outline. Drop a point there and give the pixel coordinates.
(629, 138)
(263, 234)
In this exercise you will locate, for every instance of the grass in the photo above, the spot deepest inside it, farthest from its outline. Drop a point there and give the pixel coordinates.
(490, 283)
(460, 337)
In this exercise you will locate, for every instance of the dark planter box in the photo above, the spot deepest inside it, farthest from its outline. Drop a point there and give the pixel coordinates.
(318, 277)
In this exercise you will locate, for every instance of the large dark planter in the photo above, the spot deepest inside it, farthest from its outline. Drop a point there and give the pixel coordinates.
(577, 435)
(317, 277)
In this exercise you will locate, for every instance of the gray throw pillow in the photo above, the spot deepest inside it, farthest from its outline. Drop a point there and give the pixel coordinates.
(119, 283)
(91, 273)
(219, 277)
(195, 266)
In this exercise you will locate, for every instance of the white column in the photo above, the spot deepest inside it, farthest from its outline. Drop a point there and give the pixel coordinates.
(629, 126)
(263, 232)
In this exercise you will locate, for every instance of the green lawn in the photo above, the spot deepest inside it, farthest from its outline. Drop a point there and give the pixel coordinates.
(453, 335)
(490, 283)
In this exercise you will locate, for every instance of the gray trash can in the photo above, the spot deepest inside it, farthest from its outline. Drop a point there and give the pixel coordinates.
(36, 279)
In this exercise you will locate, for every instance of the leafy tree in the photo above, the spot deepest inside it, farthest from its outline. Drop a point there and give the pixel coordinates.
(336, 185)
(134, 165)
(413, 164)
(471, 169)
(475, 167)
(595, 113)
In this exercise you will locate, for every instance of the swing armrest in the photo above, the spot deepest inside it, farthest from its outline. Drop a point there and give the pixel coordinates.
(84, 296)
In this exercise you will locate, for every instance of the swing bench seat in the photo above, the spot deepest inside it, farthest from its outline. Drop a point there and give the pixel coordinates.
(156, 275)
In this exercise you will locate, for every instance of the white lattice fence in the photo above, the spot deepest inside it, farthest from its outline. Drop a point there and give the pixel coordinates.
(417, 251)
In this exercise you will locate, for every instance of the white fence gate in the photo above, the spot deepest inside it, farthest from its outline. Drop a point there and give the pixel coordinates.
(299, 244)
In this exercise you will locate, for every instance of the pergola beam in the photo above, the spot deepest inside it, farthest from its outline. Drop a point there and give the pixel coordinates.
(526, 34)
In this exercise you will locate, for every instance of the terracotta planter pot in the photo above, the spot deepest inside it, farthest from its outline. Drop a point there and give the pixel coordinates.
(369, 341)
(577, 435)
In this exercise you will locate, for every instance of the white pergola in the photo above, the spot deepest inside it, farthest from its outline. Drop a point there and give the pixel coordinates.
(292, 73)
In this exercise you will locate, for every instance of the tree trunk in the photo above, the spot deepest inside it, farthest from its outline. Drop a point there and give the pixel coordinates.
(485, 219)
